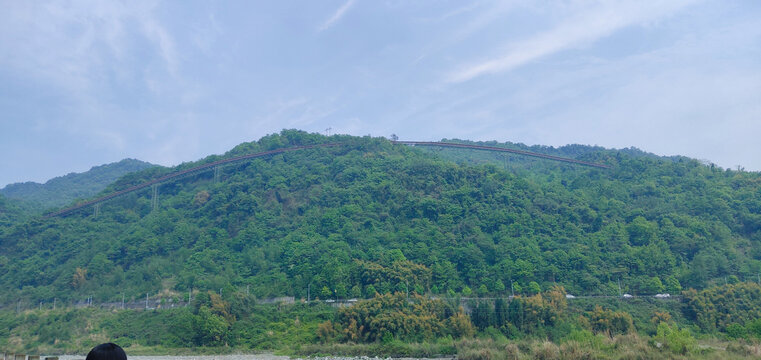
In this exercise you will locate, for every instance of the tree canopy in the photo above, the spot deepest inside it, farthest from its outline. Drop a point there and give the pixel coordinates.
(372, 217)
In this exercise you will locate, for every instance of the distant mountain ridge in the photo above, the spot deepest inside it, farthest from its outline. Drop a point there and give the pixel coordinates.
(63, 190)
(352, 220)
(372, 218)
(574, 151)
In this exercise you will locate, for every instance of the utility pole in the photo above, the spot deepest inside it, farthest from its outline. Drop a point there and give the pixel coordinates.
(309, 287)
(54, 299)
(122, 301)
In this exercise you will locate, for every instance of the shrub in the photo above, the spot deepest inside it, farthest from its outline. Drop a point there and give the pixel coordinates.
(736, 331)
(413, 319)
(679, 341)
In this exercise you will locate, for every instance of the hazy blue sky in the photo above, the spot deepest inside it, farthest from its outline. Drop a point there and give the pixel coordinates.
(84, 83)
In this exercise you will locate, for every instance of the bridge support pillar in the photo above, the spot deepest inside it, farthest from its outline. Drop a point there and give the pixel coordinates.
(155, 197)
(96, 210)
(216, 174)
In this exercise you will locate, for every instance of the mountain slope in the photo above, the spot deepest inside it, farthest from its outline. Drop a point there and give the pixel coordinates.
(10, 212)
(62, 190)
(372, 216)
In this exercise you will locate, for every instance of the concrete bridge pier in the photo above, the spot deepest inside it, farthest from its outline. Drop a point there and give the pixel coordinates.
(155, 197)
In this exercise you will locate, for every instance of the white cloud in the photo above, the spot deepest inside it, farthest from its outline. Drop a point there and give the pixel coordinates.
(161, 38)
(586, 25)
(85, 53)
(71, 44)
(300, 112)
(340, 12)
(485, 14)
(687, 99)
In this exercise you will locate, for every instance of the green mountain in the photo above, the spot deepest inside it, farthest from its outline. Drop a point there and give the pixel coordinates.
(62, 190)
(370, 215)
(10, 212)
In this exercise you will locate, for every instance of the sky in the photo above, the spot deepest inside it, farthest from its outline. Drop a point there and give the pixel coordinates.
(84, 83)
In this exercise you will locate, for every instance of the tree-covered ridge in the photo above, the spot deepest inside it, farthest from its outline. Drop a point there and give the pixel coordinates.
(698, 210)
(62, 190)
(371, 216)
(570, 150)
(10, 212)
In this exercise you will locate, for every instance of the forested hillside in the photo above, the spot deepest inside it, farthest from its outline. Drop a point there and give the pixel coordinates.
(62, 190)
(10, 212)
(370, 216)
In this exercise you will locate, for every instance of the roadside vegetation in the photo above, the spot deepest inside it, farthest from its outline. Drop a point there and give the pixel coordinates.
(545, 325)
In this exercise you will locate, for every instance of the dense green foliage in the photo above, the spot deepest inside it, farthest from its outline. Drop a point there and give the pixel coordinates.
(10, 212)
(208, 322)
(211, 321)
(544, 325)
(522, 315)
(395, 316)
(372, 217)
(341, 218)
(62, 190)
(720, 307)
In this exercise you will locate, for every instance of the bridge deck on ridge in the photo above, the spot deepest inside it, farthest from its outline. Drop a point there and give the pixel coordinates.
(204, 167)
